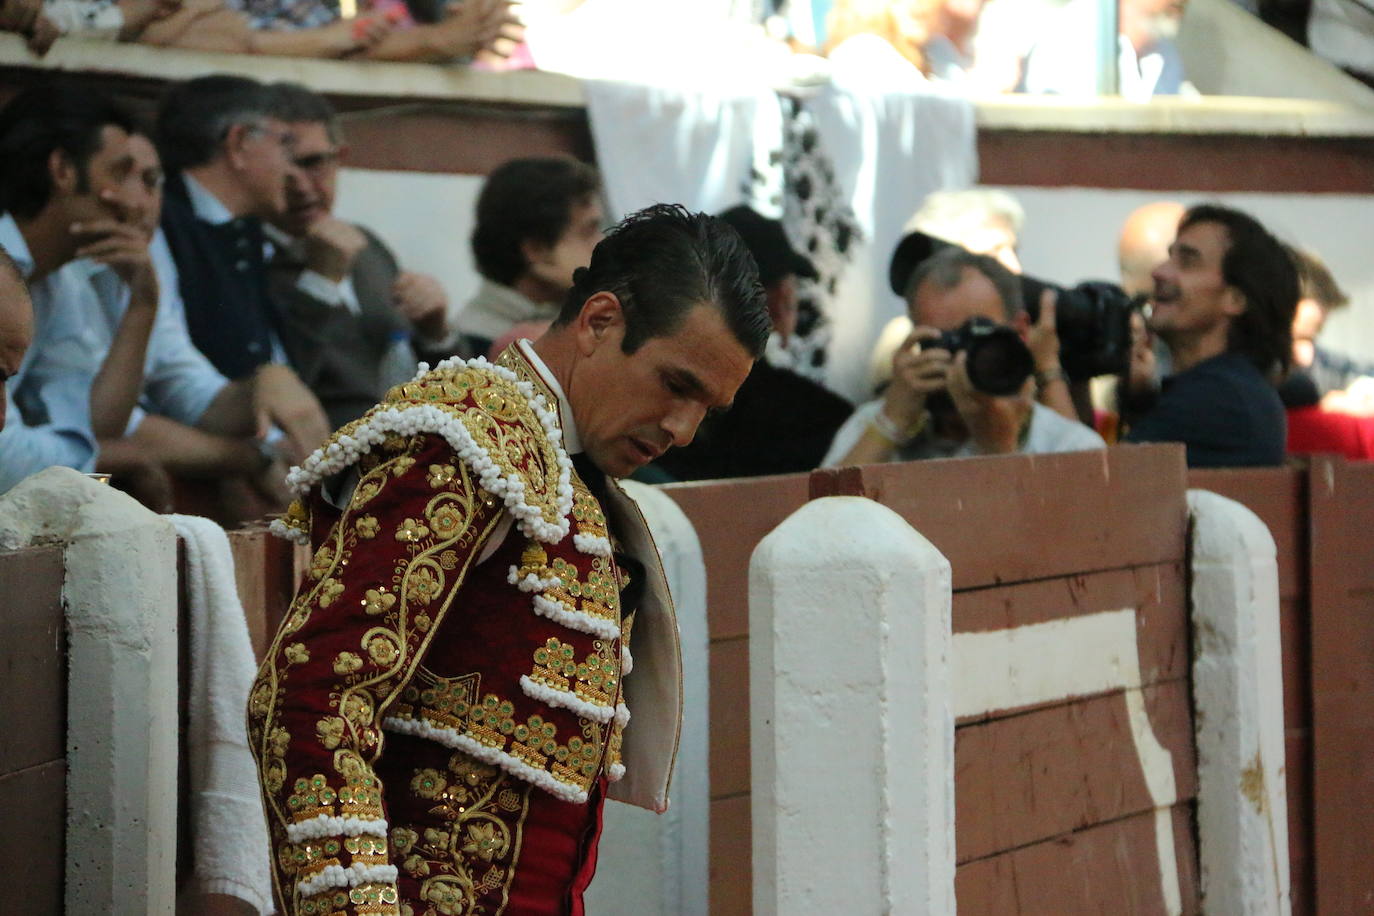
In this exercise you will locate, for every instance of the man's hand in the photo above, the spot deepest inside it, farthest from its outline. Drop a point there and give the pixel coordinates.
(473, 25)
(122, 245)
(916, 374)
(280, 398)
(26, 17)
(421, 300)
(994, 423)
(331, 247)
(1042, 338)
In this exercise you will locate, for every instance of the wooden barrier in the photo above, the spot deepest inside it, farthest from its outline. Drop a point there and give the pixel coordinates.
(1117, 517)
(33, 721)
(1030, 541)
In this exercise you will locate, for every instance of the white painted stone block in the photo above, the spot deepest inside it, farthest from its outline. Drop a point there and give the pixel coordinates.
(1238, 710)
(121, 607)
(657, 864)
(852, 736)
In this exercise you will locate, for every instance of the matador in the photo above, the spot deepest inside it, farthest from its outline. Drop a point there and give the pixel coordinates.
(447, 703)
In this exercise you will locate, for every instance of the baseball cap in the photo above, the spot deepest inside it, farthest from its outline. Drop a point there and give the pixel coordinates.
(914, 248)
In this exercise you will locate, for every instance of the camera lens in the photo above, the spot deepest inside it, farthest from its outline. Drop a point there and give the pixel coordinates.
(998, 361)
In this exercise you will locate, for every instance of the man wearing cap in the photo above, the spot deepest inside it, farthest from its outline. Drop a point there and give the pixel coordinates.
(931, 408)
(781, 422)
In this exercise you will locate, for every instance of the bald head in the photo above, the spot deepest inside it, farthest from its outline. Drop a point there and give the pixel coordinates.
(1145, 239)
(16, 323)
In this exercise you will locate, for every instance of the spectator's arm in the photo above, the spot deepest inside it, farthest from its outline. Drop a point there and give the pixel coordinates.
(123, 247)
(274, 395)
(189, 452)
(469, 27)
(26, 450)
(208, 25)
(181, 382)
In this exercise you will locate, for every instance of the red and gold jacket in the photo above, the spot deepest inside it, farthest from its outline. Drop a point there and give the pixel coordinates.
(465, 592)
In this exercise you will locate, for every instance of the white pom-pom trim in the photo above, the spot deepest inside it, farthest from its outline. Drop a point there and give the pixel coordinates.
(597, 712)
(615, 772)
(352, 876)
(472, 747)
(627, 661)
(581, 621)
(322, 825)
(383, 421)
(531, 582)
(283, 530)
(622, 715)
(592, 544)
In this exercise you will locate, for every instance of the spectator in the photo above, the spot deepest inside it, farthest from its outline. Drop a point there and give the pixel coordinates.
(230, 156)
(42, 23)
(315, 28)
(1335, 379)
(537, 222)
(980, 220)
(930, 409)
(1223, 305)
(16, 329)
(210, 25)
(72, 201)
(781, 422)
(191, 421)
(1148, 61)
(1144, 244)
(347, 307)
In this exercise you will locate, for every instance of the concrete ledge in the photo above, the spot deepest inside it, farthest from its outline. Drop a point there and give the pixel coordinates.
(526, 89)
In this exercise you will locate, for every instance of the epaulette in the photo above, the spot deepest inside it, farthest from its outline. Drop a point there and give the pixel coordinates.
(498, 424)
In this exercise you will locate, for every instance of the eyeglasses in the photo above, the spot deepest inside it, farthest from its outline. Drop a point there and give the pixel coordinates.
(316, 163)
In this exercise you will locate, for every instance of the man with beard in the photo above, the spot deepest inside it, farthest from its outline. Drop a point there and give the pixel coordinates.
(1223, 304)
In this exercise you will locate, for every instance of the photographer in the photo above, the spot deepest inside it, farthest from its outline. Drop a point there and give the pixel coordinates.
(932, 409)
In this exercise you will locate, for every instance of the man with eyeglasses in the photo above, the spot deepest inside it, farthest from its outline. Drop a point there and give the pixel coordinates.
(350, 315)
(229, 156)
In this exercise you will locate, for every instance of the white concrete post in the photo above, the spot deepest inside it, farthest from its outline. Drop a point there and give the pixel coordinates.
(121, 606)
(1238, 710)
(651, 864)
(852, 737)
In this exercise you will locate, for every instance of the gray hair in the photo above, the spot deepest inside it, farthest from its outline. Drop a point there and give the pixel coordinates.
(946, 269)
(953, 215)
(195, 116)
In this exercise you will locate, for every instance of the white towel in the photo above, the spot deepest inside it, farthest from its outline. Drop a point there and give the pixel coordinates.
(229, 830)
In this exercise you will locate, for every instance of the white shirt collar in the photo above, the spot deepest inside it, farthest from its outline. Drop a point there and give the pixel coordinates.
(206, 206)
(13, 241)
(571, 442)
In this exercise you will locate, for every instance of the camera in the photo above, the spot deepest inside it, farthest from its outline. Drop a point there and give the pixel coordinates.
(998, 361)
(1093, 319)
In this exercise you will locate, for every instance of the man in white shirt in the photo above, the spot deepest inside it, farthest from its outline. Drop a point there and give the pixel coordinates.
(931, 409)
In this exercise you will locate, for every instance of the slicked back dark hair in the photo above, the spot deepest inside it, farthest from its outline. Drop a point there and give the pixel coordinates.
(296, 104)
(526, 200)
(39, 120)
(663, 261)
(195, 116)
(1261, 267)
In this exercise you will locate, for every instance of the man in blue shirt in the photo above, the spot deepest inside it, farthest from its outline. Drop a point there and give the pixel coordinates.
(1223, 304)
(69, 192)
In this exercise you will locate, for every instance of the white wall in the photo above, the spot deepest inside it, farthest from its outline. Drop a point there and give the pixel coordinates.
(426, 219)
(1071, 233)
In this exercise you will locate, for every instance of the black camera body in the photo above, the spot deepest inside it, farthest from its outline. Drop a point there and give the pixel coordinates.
(1093, 320)
(998, 360)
